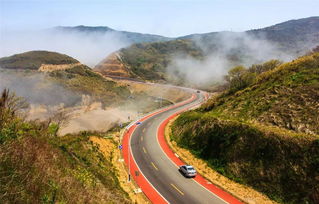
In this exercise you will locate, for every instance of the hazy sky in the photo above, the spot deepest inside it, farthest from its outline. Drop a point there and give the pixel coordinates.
(164, 17)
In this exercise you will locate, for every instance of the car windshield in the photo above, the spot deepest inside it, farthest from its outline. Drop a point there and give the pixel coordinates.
(190, 168)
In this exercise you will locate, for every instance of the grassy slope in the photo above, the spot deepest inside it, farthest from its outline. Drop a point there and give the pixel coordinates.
(37, 167)
(34, 59)
(286, 97)
(257, 136)
(148, 61)
(83, 80)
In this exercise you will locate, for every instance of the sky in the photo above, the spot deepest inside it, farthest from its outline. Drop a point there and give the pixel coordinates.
(163, 17)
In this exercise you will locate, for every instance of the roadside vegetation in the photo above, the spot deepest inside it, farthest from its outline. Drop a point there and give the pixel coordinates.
(38, 167)
(263, 130)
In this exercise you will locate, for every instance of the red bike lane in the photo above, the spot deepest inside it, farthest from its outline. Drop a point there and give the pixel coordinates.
(148, 189)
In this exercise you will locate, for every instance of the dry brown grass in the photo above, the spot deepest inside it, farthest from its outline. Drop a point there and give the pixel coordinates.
(109, 149)
(245, 193)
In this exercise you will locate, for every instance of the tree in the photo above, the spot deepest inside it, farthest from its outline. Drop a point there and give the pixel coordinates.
(260, 68)
(239, 77)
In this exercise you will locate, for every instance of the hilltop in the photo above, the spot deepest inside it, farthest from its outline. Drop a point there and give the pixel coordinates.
(263, 132)
(150, 61)
(34, 59)
(131, 37)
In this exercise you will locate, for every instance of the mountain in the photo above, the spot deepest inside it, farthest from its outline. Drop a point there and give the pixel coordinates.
(293, 34)
(131, 37)
(34, 59)
(150, 61)
(264, 133)
(145, 61)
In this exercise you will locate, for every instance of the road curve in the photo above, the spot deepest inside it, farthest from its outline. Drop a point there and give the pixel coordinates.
(155, 169)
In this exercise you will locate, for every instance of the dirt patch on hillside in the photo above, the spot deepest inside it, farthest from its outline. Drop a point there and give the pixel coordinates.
(113, 66)
(109, 149)
(55, 67)
(245, 193)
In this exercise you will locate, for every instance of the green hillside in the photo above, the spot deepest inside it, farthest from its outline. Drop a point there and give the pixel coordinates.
(38, 167)
(264, 133)
(148, 61)
(34, 59)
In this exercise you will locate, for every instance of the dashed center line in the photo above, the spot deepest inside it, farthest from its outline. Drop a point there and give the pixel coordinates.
(155, 167)
(177, 189)
(144, 130)
(144, 150)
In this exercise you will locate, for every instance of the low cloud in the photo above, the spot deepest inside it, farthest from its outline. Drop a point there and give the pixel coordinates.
(88, 48)
(222, 51)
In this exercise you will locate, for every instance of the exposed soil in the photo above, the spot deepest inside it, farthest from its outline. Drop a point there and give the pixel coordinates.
(54, 67)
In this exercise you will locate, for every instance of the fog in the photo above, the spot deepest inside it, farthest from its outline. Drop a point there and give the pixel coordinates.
(88, 48)
(222, 51)
(36, 88)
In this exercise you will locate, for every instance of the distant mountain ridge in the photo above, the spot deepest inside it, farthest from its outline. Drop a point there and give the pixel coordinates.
(149, 61)
(133, 37)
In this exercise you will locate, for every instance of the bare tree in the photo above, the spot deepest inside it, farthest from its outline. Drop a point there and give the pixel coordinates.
(10, 106)
(61, 118)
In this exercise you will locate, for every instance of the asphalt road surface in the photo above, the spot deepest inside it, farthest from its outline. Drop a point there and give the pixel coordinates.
(160, 171)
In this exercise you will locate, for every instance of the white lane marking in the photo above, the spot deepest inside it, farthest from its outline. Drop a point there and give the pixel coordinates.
(144, 150)
(177, 189)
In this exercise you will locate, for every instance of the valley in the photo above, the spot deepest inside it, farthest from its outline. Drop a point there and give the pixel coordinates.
(241, 107)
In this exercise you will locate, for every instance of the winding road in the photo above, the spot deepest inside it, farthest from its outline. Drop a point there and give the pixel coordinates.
(154, 166)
